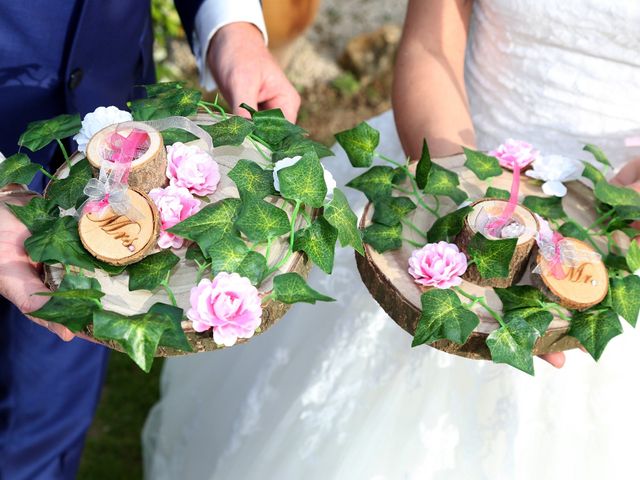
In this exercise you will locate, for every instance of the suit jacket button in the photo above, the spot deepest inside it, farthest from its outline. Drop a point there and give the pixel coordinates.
(75, 78)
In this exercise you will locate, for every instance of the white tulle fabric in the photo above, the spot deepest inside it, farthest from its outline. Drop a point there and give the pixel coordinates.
(336, 392)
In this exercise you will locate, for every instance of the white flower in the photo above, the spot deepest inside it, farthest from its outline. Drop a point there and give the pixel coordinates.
(2, 157)
(637, 273)
(95, 121)
(554, 170)
(289, 162)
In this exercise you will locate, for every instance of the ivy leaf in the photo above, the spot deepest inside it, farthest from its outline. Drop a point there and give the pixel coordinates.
(151, 271)
(260, 220)
(174, 336)
(616, 196)
(173, 135)
(444, 182)
(73, 304)
(513, 344)
(295, 145)
(339, 214)
(17, 169)
(35, 215)
(231, 131)
(625, 297)
(594, 329)
(154, 89)
(210, 224)
(616, 262)
(424, 166)
(194, 252)
(375, 183)
(227, 254)
(304, 181)
(59, 243)
(519, 296)
(484, 166)
(41, 133)
(272, 127)
(497, 193)
(633, 257)
(138, 335)
(597, 153)
(360, 144)
(318, 241)
(292, 288)
(400, 175)
(448, 226)
(593, 173)
(443, 317)
(68, 192)
(391, 210)
(627, 212)
(571, 230)
(492, 257)
(181, 102)
(254, 267)
(250, 178)
(537, 318)
(382, 237)
(547, 207)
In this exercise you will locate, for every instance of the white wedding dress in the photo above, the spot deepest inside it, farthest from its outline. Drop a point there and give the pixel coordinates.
(335, 391)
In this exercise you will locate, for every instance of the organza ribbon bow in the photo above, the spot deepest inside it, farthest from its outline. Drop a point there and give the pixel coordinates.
(110, 188)
(559, 253)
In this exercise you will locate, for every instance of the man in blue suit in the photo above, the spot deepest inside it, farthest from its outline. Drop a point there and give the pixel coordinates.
(67, 56)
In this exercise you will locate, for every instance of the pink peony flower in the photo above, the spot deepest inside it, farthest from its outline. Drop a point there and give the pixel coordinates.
(512, 151)
(438, 265)
(191, 167)
(229, 304)
(175, 204)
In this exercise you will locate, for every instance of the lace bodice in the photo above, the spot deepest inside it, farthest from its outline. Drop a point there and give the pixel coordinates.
(557, 74)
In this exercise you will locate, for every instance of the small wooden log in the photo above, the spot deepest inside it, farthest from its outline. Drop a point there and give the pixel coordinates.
(118, 239)
(586, 282)
(149, 171)
(473, 224)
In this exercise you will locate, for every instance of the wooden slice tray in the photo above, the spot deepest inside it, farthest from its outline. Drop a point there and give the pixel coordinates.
(386, 277)
(119, 299)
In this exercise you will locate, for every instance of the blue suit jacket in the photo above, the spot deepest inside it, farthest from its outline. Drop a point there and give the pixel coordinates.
(68, 56)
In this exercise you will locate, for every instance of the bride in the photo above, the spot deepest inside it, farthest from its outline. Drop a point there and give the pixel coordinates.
(335, 391)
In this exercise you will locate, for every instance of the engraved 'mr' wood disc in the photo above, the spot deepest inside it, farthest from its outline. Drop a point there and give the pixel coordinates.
(121, 239)
(386, 277)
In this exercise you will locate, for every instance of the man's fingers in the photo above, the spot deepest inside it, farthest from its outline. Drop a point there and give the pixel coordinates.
(289, 103)
(556, 359)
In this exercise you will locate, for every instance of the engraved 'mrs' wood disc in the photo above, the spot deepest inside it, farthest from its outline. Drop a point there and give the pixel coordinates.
(585, 283)
(121, 239)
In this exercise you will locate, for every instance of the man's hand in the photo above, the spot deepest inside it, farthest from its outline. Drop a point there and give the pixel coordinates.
(19, 277)
(246, 72)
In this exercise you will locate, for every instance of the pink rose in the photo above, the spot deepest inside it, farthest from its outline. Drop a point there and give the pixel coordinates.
(191, 167)
(175, 204)
(512, 151)
(438, 265)
(229, 304)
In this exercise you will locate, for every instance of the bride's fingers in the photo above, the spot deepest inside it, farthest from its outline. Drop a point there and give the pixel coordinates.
(556, 359)
(628, 176)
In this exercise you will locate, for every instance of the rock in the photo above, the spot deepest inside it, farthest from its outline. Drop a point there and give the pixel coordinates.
(371, 54)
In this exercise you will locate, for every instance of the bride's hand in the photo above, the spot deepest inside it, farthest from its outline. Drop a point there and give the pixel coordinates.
(246, 72)
(629, 175)
(556, 359)
(19, 277)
